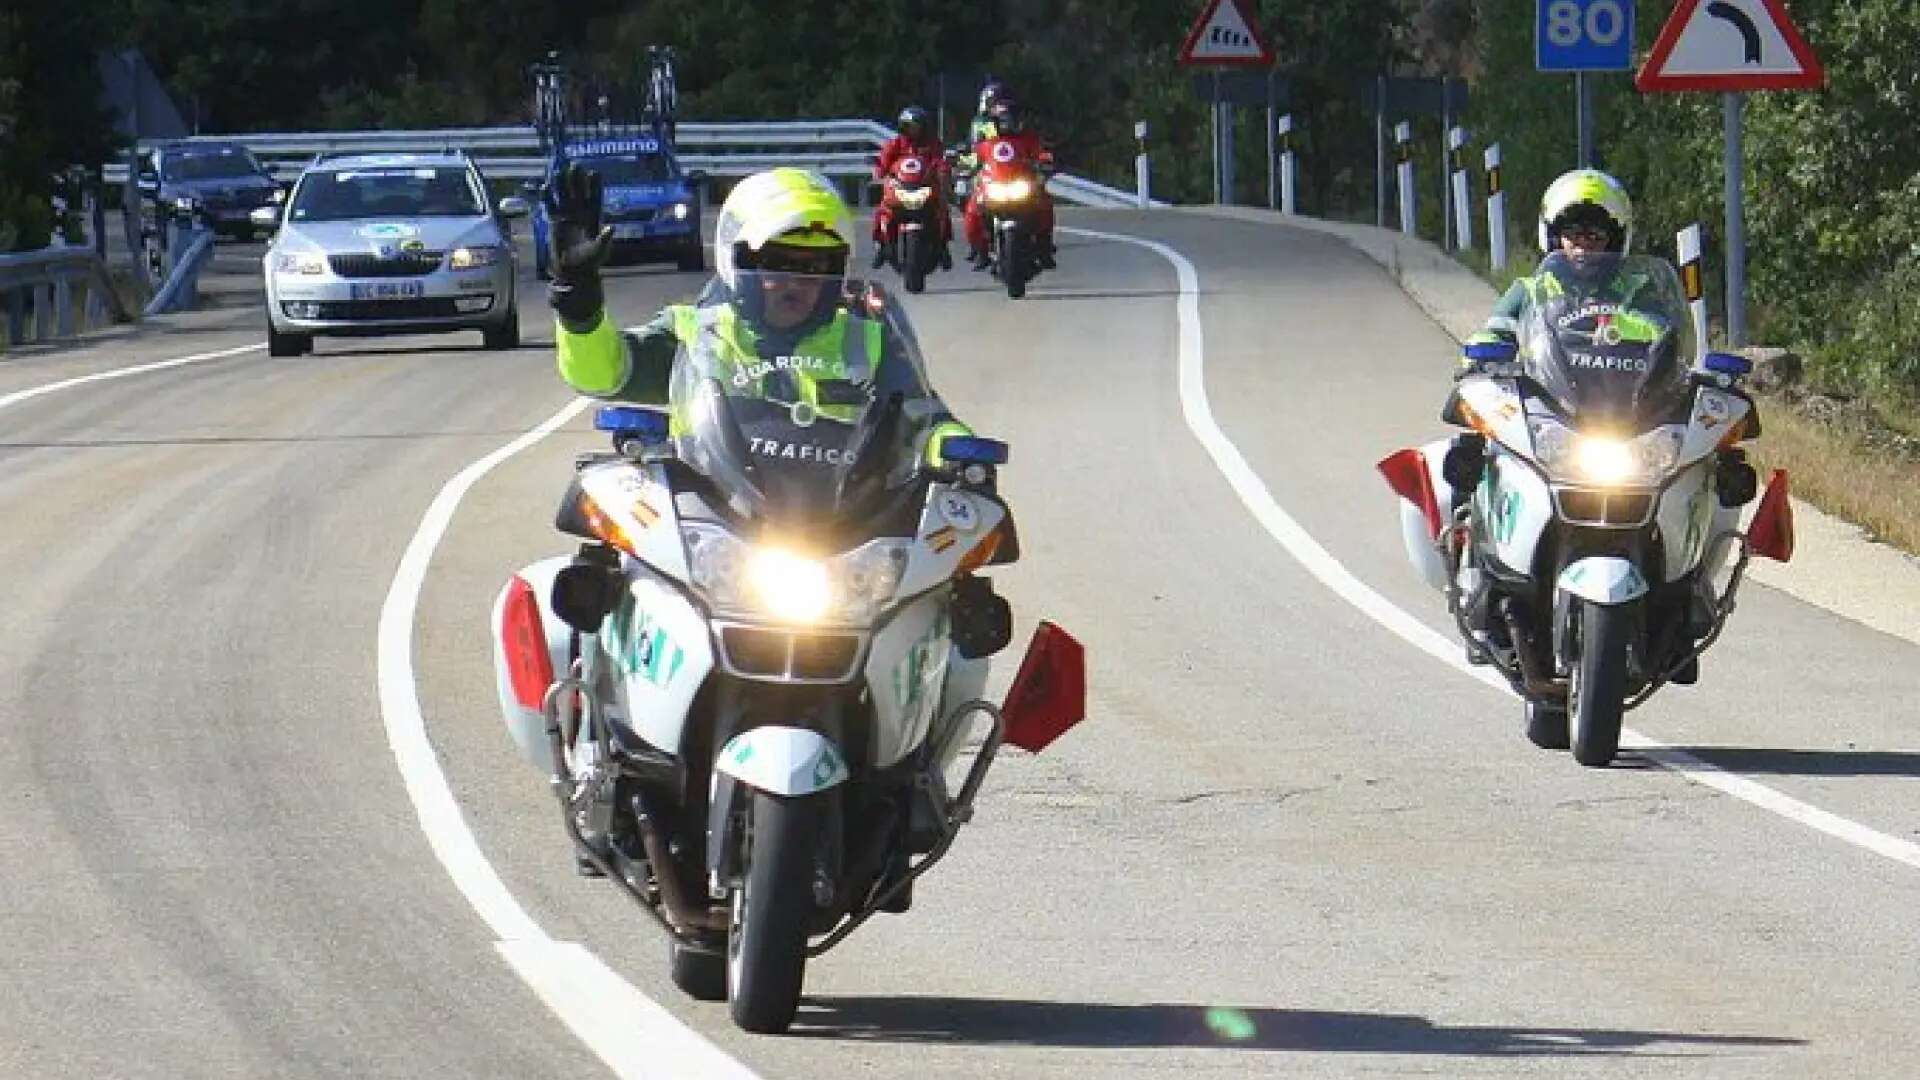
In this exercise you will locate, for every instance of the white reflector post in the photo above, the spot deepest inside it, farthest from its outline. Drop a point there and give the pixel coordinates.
(1462, 201)
(1496, 211)
(1692, 277)
(1287, 163)
(1403, 143)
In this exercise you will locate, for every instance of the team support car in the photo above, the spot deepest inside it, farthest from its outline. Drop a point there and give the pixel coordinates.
(220, 181)
(391, 244)
(652, 205)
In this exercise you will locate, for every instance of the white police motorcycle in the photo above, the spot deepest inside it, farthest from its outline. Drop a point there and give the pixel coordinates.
(1595, 549)
(752, 686)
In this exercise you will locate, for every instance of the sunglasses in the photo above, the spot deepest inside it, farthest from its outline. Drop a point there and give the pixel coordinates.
(787, 260)
(1583, 234)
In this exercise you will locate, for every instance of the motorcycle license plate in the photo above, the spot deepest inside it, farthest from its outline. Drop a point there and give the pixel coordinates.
(386, 290)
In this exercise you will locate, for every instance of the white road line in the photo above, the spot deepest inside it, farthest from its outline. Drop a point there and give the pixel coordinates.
(120, 373)
(1315, 558)
(627, 1030)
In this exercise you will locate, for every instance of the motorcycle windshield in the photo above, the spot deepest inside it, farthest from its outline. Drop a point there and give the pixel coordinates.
(805, 403)
(1607, 337)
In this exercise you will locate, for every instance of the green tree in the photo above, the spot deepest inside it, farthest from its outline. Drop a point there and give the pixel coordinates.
(49, 112)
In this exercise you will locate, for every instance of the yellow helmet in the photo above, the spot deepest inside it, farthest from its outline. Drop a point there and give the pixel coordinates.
(791, 207)
(1587, 197)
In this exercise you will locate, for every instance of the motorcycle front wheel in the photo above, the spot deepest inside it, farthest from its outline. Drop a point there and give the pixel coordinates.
(913, 260)
(1599, 683)
(773, 911)
(1012, 256)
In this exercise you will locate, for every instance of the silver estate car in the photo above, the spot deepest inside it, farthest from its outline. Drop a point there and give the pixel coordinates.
(390, 244)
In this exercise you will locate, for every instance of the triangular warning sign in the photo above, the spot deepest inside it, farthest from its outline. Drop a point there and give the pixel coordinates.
(1730, 45)
(1225, 34)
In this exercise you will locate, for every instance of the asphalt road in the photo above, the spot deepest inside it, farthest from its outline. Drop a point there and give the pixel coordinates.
(1286, 842)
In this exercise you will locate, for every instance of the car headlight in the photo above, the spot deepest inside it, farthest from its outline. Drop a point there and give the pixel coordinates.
(1008, 191)
(680, 211)
(1604, 460)
(277, 195)
(767, 580)
(466, 258)
(299, 262)
(913, 198)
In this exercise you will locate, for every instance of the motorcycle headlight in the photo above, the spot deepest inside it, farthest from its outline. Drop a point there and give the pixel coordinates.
(1008, 190)
(299, 262)
(467, 258)
(766, 580)
(913, 198)
(1607, 461)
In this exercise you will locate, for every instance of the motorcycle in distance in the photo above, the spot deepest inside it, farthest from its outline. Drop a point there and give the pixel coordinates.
(752, 685)
(1593, 550)
(1009, 188)
(917, 221)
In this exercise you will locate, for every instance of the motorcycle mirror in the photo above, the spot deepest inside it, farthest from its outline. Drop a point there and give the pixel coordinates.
(1049, 694)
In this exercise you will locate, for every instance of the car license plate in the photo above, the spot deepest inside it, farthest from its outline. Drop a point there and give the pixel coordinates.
(632, 231)
(385, 290)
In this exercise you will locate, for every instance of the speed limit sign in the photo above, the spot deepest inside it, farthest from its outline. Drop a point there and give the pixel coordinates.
(1584, 35)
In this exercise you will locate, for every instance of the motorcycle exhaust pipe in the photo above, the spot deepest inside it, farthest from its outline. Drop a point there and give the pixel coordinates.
(682, 910)
(1536, 681)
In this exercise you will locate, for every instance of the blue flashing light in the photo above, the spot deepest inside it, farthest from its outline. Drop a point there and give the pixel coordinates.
(647, 425)
(1728, 364)
(1497, 352)
(973, 450)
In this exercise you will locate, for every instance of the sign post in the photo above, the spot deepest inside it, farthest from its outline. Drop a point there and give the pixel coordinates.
(1732, 46)
(1582, 36)
(1224, 36)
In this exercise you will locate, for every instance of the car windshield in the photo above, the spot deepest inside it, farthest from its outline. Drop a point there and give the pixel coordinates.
(222, 165)
(621, 171)
(806, 403)
(386, 191)
(1607, 335)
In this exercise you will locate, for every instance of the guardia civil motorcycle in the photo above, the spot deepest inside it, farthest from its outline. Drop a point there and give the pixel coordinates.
(1587, 533)
(752, 686)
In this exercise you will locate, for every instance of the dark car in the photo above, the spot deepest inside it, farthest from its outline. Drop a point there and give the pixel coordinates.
(220, 180)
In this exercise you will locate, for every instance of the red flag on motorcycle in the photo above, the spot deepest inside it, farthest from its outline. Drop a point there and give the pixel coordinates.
(1049, 694)
(1770, 536)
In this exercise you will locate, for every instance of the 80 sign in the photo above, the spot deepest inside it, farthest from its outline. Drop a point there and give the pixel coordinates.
(1584, 35)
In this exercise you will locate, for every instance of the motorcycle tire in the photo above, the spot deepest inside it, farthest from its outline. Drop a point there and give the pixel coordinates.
(773, 911)
(1012, 256)
(1547, 725)
(1599, 683)
(912, 253)
(700, 973)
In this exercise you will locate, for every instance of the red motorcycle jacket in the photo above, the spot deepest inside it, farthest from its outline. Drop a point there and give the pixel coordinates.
(1026, 146)
(900, 146)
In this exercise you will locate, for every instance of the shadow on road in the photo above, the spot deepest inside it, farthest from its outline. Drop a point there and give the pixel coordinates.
(1748, 759)
(1066, 1024)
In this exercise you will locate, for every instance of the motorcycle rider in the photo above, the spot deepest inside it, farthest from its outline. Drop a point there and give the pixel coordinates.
(982, 127)
(915, 138)
(1007, 122)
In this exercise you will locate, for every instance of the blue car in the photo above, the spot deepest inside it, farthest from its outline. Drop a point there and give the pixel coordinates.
(653, 206)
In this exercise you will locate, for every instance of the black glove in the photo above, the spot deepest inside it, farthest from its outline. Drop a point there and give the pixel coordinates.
(577, 246)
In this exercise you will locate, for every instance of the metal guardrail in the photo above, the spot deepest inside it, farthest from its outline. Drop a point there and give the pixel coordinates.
(182, 288)
(41, 293)
(842, 148)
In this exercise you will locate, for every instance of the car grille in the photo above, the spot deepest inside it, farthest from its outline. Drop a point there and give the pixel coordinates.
(790, 655)
(234, 200)
(1604, 507)
(404, 264)
(429, 307)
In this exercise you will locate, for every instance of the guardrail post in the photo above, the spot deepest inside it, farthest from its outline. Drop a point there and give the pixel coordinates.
(1496, 211)
(1462, 200)
(63, 308)
(1142, 171)
(1403, 146)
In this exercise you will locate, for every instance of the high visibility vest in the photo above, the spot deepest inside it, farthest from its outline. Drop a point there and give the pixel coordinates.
(845, 348)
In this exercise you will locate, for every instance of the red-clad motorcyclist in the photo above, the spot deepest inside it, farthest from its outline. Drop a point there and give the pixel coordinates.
(916, 138)
(1008, 123)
